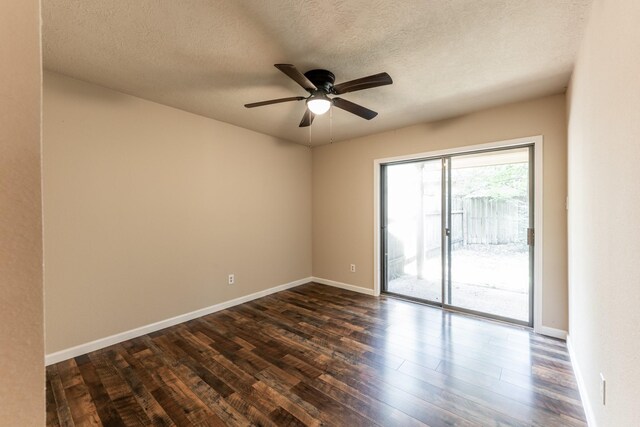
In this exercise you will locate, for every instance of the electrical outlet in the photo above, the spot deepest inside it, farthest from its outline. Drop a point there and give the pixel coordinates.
(353, 268)
(232, 279)
(603, 389)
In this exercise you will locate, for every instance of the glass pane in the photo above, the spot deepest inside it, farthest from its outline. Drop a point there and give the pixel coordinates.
(489, 221)
(414, 224)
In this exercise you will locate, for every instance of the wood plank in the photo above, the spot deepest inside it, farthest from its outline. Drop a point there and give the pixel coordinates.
(64, 412)
(51, 409)
(207, 404)
(83, 410)
(104, 406)
(145, 399)
(180, 397)
(119, 391)
(316, 355)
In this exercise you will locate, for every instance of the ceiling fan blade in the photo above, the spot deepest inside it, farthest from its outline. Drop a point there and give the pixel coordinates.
(375, 80)
(307, 119)
(297, 76)
(356, 109)
(274, 101)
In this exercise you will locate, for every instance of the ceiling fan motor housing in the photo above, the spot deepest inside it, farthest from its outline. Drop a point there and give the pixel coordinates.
(322, 79)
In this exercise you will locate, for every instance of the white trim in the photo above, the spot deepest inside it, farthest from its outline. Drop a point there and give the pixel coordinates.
(377, 268)
(346, 286)
(586, 403)
(143, 330)
(537, 213)
(551, 332)
(462, 149)
(538, 216)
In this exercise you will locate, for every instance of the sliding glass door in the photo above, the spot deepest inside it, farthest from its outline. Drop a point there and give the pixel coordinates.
(457, 231)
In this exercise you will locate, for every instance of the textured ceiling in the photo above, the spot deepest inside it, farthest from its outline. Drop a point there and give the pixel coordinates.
(446, 57)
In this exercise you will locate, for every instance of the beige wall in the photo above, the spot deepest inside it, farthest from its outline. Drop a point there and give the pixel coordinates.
(604, 210)
(21, 332)
(343, 190)
(148, 208)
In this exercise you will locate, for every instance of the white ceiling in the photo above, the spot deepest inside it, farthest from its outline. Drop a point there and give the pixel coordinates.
(446, 57)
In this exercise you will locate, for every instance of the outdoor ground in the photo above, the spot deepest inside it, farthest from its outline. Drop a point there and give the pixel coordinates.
(488, 278)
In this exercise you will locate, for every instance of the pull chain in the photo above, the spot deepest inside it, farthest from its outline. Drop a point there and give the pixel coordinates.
(309, 136)
(330, 125)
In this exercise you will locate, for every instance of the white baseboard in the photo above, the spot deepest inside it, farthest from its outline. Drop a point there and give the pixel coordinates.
(341, 285)
(551, 332)
(78, 350)
(586, 403)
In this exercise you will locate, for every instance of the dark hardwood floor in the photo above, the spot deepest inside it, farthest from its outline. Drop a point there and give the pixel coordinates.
(316, 355)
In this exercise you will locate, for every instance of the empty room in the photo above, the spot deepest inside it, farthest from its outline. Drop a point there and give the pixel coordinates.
(320, 213)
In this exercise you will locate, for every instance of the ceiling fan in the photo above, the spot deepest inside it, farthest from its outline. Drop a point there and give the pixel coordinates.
(320, 84)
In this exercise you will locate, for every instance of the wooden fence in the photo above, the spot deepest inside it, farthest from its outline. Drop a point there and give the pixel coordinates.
(493, 221)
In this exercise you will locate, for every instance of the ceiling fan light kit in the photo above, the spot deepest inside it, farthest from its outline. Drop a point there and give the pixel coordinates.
(320, 84)
(318, 103)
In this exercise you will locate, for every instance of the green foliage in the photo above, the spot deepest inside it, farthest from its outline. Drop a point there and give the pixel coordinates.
(496, 181)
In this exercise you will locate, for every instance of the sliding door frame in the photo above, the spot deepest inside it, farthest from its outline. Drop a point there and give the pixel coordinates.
(536, 265)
